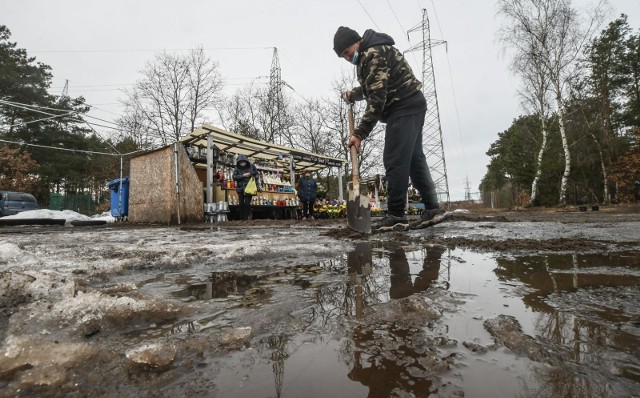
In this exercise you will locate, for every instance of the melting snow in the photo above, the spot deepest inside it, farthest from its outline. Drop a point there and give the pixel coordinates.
(68, 215)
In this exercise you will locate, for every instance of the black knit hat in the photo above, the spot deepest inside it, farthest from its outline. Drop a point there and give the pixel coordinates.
(343, 38)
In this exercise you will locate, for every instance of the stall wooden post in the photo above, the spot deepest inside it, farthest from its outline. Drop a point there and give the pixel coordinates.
(209, 168)
(292, 172)
(175, 159)
(340, 193)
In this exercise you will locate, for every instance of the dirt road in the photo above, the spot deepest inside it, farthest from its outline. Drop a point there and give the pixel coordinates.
(538, 303)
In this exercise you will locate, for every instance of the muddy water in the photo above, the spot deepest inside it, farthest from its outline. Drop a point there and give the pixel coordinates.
(386, 319)
(577, 329)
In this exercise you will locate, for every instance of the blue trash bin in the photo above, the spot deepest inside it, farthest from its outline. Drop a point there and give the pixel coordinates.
(119, 210)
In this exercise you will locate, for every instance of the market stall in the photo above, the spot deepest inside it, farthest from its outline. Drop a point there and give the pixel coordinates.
(213, 152)
(378, 196)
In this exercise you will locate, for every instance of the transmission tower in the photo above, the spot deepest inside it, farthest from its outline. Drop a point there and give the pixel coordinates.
(65, 90)
(275, 100)
(467, 190)
(432, 130)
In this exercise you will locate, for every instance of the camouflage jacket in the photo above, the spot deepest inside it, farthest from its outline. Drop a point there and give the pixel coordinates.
(386, 81)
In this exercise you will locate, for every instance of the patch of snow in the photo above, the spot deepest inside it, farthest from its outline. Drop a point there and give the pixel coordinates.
(157, 355)
(9, 251)
(68, 215)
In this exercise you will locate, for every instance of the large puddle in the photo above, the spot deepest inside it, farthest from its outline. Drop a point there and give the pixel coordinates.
(388, 319)
(580, 311)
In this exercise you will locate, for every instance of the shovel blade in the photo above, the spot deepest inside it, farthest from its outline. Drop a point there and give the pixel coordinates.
(358, 212)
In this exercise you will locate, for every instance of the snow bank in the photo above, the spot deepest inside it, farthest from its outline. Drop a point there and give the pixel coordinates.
(68, 215)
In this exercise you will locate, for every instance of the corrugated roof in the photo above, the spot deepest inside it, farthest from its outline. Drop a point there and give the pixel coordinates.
(227, 141)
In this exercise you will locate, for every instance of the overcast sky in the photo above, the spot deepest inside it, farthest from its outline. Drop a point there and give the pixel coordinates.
(100, 47)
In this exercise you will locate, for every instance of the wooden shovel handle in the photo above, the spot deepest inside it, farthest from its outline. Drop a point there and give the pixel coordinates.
(355, 175)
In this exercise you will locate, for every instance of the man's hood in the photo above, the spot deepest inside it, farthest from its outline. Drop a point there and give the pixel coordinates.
(372, 38)
(241, 158)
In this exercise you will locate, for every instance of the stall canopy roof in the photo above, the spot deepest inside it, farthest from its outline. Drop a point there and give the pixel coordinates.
(230, 142)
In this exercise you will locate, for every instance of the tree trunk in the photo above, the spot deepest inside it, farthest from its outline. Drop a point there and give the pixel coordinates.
(567, 155)
(543, 147)
(602, 166)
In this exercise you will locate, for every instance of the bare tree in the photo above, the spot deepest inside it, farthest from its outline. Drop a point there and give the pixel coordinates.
(205, 83)
(172, 94)
(275, 118)
(557, 36)
(309, 132)
(337, 124)
(240, 113)
(134, 126)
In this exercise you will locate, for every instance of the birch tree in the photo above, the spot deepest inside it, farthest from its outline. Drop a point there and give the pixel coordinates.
(553, 28)
(535, 94)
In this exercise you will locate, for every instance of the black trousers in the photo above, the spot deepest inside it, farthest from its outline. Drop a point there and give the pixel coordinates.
(403, 157)
(307, 208)
(244, 202)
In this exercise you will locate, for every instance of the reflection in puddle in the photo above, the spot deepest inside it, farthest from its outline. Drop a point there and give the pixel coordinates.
(404, 280)
(218, 285)
(364, 339)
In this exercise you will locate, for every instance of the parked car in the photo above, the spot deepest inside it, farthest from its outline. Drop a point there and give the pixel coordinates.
(16, 202)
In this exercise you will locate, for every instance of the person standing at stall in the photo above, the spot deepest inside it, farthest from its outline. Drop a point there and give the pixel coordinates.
(241, 175)
(307, 190)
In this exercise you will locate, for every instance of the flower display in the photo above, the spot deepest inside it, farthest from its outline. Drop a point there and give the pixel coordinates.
(330, 209)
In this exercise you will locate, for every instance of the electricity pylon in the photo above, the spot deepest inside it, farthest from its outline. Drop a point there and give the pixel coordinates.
(65, 90)
(275, 101)
(432, 130)
(467, 190)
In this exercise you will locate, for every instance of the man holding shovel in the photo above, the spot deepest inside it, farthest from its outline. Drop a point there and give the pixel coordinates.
(393, 96)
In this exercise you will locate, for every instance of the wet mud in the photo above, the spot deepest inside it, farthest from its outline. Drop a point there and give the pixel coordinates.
(542, 303)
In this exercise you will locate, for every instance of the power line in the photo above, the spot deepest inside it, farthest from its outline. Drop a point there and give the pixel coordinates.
(97, 85)
(453, 91)
(67, 149)
(437, 20)
(369, 15)
(104, 110)
(102, 120)
(39, 120)
(149, 50)
(402, 29)
(300, 70)
(102, 125)
(95, 90)
(101, 137)
(32, 107)
(75, 87)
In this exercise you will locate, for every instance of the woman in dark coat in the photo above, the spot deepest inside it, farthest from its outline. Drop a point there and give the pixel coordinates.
(307, 189)
(241, 175)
